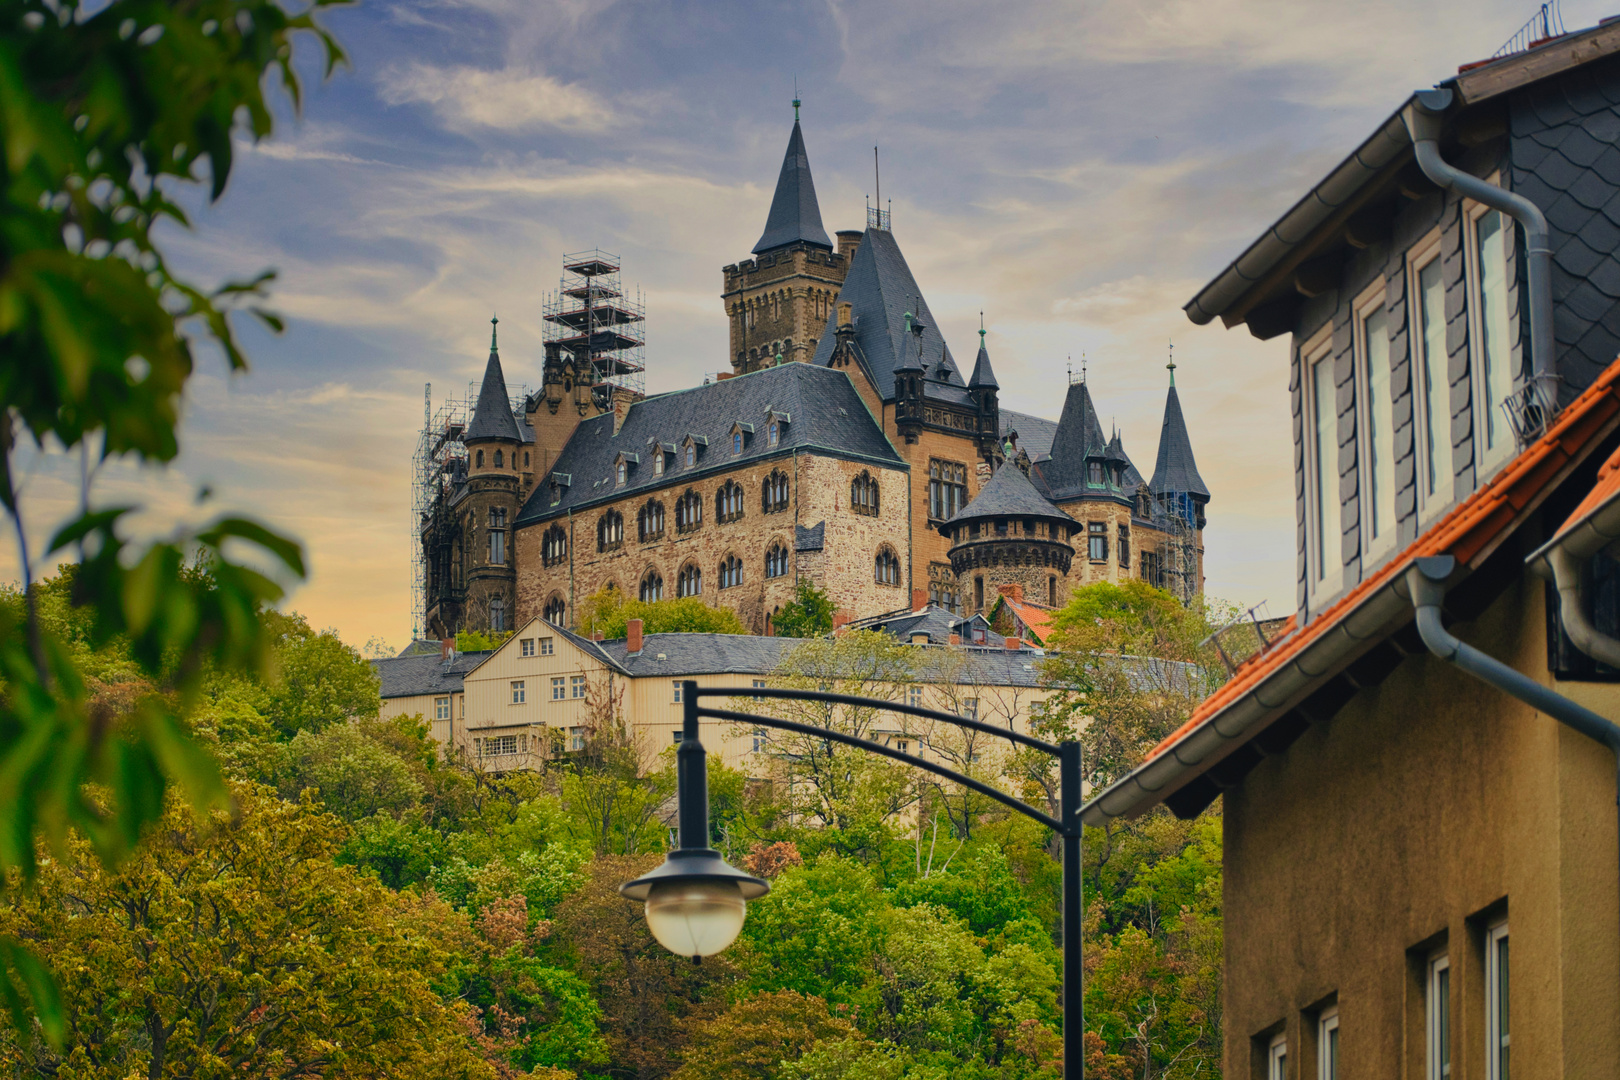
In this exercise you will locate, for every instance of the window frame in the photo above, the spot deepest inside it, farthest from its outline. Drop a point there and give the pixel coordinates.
(548, 646)
(1327, 1044)
(1496, 1040)
(1373, 299)
(526, 647)
(558, 686)
(1277, 1057)
(1097, 534)
(1322, 579)
(1418, 259)
(1438, 1022)
(576, 687)
(441, 708)
(520, 692)
(1487, 461)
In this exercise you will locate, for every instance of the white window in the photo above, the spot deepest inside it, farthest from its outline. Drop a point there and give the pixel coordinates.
(501, 744)
(658, 463)
(526, 647)
(903, 745)
(576, 738)
(1327, 1044)
(677, 687)
(557, 689)
(1323, 456)
(970, 708)
(1378, 423)
(1433, 389)
(1437, 1013)
(914, 697)
(1277, 1058)
(760, 737)
(759, 684)
(547, 646)
(441, 708)
(517, 692)
(1493, 354)
(576, 684)
(621, 474)
(1496, 1002)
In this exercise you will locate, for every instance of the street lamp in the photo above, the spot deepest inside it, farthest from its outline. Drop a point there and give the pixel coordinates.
(696, 902)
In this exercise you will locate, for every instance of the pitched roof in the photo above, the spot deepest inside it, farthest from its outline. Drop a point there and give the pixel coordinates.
(828, 416)
(795, 215)
(492, 417)
(1175, 470)
(880, 289)
(424, 673)
(809, 537)
(937, 622)
(1303, 659)
(1009, 493)
(1036, 618)
(1035, 433)
(1079, 435)
(678, 655)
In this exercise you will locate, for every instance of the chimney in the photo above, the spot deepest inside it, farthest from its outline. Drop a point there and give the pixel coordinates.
(840, 620)
(846, 314)
(1012, 592)
(1014, 644)
(956, 639)
(596, 635)
(919, 599)
(447, 648)
(632, 635)
(621, 407)
(848, 241)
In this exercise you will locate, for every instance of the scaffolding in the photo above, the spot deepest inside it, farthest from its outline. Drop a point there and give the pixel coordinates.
(1179, 572)
(592, 319)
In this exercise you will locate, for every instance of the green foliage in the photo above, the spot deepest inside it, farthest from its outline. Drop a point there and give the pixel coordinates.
(397, 851)
(980, 890)
(321, 681)
(817, 932)
(608, 611)
(808, 614)
(750, 1040)
(474, 641)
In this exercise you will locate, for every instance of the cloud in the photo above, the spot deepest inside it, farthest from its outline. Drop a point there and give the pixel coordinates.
(505, 99)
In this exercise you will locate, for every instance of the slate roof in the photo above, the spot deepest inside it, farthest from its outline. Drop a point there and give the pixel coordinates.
(1009, 493)
(795, 215)
(414, 675)
(1176, 471)
(937, 622)
(881, 289)
(1079, 434)
(492, 417)
(827, 416)
(809, 537)
(682, 655)
(1035, 433)
(982, 374)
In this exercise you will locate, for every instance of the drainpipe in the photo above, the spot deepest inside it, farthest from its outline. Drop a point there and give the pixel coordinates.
(1561, 559)
(1425, 580)
(1424, 116)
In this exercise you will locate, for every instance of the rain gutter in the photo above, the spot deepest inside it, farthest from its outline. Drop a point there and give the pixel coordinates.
(1561, 559)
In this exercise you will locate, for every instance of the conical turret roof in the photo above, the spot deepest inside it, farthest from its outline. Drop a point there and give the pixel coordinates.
(983, 377)
(492, 417)
(1176, 471)
(795, 214)
(1010, 494)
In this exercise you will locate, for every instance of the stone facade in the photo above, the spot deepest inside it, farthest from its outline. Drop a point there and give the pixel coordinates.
(778, 302)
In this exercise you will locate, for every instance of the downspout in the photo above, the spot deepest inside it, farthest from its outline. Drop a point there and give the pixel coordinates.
(1424, 116)
(1561, 560)
(1425, 580)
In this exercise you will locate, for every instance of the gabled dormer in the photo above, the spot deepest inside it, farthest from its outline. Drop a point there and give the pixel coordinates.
(742, 437)
(692, 449)
(624, 467)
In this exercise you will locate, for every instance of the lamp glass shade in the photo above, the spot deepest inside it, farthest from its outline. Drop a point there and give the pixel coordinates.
(695, 918)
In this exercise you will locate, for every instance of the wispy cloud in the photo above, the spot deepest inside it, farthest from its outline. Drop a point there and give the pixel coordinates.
(505, 99)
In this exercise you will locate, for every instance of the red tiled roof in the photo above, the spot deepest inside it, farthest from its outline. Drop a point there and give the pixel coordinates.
(1604, 492)
(1037, 620)
(1464, 532)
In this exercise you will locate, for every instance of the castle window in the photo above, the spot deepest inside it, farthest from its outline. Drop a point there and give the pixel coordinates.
(658, 461)
(623, 471)
(609, 531)
(728, 502)
(1125, 546)
(497, 614)
(731, 572)
(688, 511)
(691, 455)
(554, 547)
(1097, 541)
(525, 459)
(773, 434)
(776, 561)
(863, 494)
(650, 521)
(1152, 571)
(736, 442)
(497, 547)
(947, 489)
(1051, 592)
(1094, 472)
(689, 582)
(978, 593)
(652, 587)
(942, 593)
(480, 459)
(886, 567)
(774, 495)
(498, 461)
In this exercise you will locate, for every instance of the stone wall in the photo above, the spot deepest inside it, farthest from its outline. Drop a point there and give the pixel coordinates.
(785, 296)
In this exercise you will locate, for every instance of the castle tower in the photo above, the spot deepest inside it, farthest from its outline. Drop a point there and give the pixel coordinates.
(983, 388)
(1011, 535)
(779, 301)
(1181, 497)
(487, 507)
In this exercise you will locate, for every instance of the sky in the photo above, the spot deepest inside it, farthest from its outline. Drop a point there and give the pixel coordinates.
(1075, 171)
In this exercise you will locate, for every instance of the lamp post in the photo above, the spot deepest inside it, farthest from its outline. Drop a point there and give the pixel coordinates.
(696, 902)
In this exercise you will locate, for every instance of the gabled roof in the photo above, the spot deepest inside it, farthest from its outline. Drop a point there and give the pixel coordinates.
(828, 417)
(880, 289)
(424, 673)
(1176, 471)
(1035, 433)
(1300, 675)
(795, 215)
(682, 655)
(492, 417)
(1079, 435)
(936, 622)
(1036, 618)
(1009, 493)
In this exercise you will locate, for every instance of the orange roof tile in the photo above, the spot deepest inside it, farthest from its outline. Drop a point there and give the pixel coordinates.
(1463, 532)
(1037, 620)
(1604, 492)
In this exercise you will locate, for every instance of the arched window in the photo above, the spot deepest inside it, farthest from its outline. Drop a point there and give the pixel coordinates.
(658, 462)
(863, 494)
(688, 511)
(554, 546)
(728, 502)
(497, 614)
(609, 531)
(736, 442)
(773, 433)
(691, 455)
(689, 582)
(621, 473)
(480, 459)
(887, 566)
(650, 521)
(730, 572)
(774, 494)
(776, 561)
(652, 587)
(555, 609)
(499, 461)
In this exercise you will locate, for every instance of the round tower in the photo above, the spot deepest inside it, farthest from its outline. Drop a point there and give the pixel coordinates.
(487, 506)
(1011, 539)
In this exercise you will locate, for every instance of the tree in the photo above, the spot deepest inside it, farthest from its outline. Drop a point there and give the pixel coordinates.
(808, 614)
(320, 680)
(607, 612)
(106, 112)
(236, 946)
(816, 932)
(752, 1039)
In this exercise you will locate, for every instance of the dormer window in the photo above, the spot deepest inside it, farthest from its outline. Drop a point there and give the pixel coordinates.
(773, 434)
(623, 472)
(691, 455)
(1094, 472)
(736, 442)
(658, 462)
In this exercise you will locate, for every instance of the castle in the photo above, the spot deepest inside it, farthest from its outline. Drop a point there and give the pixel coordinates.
(844, 447)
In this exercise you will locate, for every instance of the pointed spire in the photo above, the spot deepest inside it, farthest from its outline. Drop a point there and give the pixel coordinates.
(795, 215)
(983, 377)
(1172, 365)
(911, 351)
(1176, 472)
(492, 417)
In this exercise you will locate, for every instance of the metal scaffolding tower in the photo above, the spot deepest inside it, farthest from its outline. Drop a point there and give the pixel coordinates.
(591, 318)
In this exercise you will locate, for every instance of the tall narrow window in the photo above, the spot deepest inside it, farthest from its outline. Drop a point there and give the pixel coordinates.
(1380, 420)
(497, 614)
(1097, 541)
(1437, 1008)
(1495, 353)
(1277, 1058)
(1327, 1045)
(1325, 465)
(1436, 389)
(1496, 1003)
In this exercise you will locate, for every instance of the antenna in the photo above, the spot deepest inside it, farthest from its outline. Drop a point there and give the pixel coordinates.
(877, 176)
(1172, 364)
(795, 99)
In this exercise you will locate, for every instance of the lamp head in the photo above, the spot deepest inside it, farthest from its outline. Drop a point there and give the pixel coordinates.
(696, 902)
